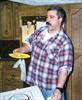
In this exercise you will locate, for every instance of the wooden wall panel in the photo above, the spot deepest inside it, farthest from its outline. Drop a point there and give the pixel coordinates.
(77, 79)
(16, 22)
(32, 11)
(76, 28)
(76, 36)
(6, 21)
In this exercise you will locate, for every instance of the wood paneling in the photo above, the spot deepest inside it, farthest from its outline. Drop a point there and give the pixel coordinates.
(10, 77)
(75, 24)
(77, 78)
(6, 21)
(76, 29)
(9, 24)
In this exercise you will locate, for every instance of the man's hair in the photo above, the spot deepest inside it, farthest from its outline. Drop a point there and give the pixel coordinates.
(60, 12)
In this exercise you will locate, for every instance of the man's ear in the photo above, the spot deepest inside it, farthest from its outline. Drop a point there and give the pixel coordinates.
(60, 20)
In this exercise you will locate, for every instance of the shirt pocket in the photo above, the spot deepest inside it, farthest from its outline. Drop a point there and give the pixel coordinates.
(52, 52)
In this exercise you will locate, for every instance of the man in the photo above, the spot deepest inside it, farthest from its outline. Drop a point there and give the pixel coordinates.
(52, 55)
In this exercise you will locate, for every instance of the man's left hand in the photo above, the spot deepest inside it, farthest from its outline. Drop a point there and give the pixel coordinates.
(56, 95)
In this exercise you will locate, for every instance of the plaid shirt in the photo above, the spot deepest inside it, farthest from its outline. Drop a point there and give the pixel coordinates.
(48, 59)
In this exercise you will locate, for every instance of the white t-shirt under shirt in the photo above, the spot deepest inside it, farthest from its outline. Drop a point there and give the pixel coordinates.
(47, 35)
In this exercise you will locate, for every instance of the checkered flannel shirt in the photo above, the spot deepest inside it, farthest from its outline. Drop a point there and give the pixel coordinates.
(48, 59)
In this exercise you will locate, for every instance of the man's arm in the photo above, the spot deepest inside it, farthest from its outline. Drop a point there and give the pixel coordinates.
(61, 81)
(62, 78)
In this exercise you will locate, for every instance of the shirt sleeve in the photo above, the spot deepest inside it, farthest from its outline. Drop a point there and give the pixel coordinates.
(27, 41)
(66, 58)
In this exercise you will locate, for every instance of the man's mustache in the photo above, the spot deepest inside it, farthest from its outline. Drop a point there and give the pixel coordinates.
(48, 23)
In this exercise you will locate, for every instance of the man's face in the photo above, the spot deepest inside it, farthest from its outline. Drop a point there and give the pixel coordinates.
(53, 20)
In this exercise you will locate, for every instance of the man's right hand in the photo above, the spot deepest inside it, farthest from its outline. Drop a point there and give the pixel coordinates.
(18, 50)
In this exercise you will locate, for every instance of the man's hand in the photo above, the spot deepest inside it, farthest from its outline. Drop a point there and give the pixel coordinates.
(24, 49)
(18, 50)
(56, 95)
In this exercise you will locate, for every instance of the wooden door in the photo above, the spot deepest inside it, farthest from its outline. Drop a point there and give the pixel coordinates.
(16, 22)
(74, 91)
(6, 22)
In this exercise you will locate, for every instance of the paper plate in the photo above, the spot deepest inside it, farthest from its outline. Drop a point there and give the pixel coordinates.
(19, 55)
(20, 97)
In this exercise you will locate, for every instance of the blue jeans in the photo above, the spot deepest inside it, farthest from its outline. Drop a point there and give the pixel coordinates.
(48, 93)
